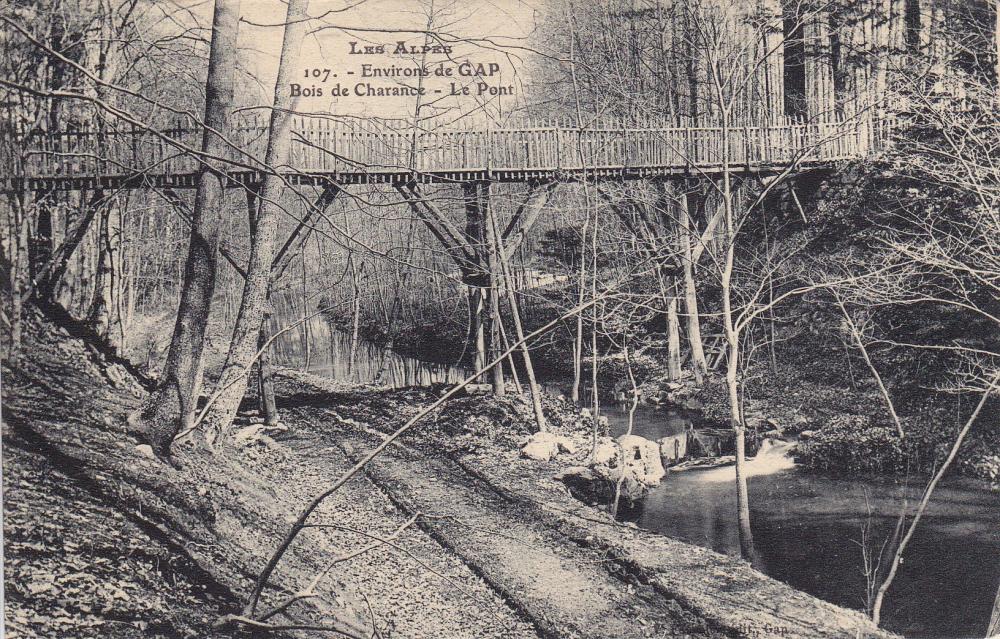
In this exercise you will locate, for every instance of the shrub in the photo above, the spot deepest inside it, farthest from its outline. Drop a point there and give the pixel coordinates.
(852, 444)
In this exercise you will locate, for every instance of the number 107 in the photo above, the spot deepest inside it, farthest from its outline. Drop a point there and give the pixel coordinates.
(318, 74)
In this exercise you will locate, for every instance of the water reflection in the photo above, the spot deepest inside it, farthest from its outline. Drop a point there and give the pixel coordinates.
(324, 350)
(808, 529)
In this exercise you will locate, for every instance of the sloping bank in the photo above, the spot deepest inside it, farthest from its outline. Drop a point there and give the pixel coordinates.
(494, 491)
(105, 542)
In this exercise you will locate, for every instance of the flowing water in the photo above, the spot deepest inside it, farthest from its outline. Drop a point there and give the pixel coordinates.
(809, 530)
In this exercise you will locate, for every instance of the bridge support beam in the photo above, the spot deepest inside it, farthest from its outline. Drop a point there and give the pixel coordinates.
(475, 252)
(484, 303)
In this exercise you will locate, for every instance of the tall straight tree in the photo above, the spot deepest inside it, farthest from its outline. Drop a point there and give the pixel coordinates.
(685, 234)
(243, 347)
(171, 405)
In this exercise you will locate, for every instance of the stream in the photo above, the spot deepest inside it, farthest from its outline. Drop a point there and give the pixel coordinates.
(809, 529)
(327, 352)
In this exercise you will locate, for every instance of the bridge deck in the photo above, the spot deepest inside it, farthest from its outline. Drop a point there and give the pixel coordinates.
(366, 153)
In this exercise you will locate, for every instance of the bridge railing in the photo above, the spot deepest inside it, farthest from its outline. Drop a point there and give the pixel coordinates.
(324, 146)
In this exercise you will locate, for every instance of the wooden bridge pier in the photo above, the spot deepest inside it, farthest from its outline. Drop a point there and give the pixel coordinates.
(472, 253)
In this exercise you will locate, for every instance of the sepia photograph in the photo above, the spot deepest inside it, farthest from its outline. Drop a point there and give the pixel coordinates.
(501, 319)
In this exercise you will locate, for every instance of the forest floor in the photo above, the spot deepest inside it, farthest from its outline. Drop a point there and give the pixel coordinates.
(104, 541)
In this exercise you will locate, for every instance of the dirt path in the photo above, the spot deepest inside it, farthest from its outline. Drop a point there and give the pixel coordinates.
(568, 591)
(570, 568)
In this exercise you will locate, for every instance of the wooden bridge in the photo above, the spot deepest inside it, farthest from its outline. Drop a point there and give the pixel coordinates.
(371, 152)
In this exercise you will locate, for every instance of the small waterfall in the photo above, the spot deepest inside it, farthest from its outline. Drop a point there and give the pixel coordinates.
(773, 457)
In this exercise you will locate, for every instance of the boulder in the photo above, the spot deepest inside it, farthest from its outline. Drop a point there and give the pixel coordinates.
(594, 487)
(606, 453)
(545, 446)
(642, 460)
(584, 484)
(673, 449)
(541, 447)
(566, 445)
(146, 451)
(575, 472)
(478, 389)
(692, 403)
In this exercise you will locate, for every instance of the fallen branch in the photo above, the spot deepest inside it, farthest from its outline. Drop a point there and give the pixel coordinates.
(310, 591)
(343, 630)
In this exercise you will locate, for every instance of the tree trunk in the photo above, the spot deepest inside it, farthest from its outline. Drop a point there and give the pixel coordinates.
(490, 241)
(698, 362)
(265, 377)
(477, 335)
(355, 322)
(993, 630)
(595, 399)
(508, 284)
(170, 407)
(478, 296)
(578, 343)
(510, 358)
(103, 316)
(40, 245)
(306, 331)
(747, 549)
(53, 275)
(242, 349)
(19, 276)
(733, 341)
(673, 340)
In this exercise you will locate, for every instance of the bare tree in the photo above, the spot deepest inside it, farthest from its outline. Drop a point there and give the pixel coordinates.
(170, 407)
(233, 379)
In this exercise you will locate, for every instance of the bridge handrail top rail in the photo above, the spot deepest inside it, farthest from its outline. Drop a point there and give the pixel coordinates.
(382, 130)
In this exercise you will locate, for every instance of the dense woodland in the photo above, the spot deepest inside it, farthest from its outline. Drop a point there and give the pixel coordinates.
(857, 299)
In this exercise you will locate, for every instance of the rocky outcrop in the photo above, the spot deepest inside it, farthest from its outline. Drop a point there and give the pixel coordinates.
(683, 394)
(712, 442)
(628, 466)
(642, 460)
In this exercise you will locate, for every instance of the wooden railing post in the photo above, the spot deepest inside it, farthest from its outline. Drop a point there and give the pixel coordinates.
(689, 151)
(558, 134)
(746, 146)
